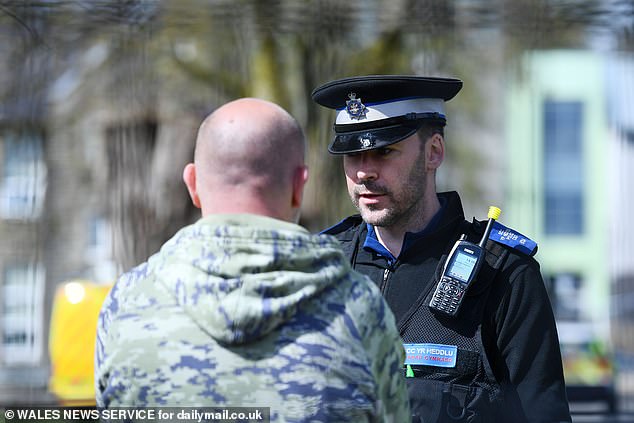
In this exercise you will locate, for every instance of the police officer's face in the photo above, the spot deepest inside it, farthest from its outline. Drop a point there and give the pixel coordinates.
(387, 184)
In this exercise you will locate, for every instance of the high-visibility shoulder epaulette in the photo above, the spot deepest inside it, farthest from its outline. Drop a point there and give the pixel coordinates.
(513, 239)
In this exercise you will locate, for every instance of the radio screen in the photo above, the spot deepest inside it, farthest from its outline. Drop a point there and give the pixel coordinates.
(462, 266)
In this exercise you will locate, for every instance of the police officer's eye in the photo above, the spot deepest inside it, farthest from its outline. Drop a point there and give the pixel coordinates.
(384, 151)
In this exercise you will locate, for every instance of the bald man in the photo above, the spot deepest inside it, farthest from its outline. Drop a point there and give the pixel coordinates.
(249, 159)
(245, 308)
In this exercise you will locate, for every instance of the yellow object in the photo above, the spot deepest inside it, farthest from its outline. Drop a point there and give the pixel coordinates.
(494, 213)
(72, 340)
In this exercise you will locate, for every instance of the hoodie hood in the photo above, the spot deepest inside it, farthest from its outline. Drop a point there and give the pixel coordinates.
(238, 277)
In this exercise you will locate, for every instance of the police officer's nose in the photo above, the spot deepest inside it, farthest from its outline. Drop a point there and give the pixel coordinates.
(359, 167)
(366, 174)
(365, 168)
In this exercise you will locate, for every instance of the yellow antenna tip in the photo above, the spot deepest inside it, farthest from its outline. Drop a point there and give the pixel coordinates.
(494, 212)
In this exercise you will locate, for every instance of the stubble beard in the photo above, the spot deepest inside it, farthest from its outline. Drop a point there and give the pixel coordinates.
(377, 215)
(404, 207)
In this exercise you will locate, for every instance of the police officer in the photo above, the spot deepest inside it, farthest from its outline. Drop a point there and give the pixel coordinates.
(498, 358)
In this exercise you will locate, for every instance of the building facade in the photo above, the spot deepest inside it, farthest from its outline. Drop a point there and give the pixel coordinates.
(569, 115)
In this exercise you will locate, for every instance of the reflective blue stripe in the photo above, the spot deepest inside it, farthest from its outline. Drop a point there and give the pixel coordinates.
(512, 238)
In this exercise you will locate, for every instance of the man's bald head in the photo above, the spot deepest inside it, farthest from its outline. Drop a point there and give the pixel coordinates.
(249, 155)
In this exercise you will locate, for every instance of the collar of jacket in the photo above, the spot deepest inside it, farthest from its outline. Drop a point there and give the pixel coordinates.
(444, 231)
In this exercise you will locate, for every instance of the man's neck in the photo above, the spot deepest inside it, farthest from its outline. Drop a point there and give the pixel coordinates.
(391, 237)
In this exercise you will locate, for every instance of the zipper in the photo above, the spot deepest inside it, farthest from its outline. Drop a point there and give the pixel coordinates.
(386, 273)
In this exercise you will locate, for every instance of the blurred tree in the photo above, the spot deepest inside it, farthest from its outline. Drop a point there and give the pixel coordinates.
(169, 63)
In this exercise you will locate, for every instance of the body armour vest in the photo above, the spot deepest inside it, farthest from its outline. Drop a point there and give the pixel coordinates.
(463, 388)
(466, 389)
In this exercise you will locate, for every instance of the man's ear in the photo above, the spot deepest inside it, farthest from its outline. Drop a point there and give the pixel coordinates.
(299, 180)
(434, 152)
(189, 177)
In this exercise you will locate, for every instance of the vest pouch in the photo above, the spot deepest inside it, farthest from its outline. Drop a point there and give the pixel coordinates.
(445, 402)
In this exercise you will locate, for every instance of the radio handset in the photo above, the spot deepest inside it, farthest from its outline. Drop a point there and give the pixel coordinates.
(461, 268)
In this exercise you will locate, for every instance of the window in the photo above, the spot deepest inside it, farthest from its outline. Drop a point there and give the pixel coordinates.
(22, 302)
(23, 183)
(563, 167)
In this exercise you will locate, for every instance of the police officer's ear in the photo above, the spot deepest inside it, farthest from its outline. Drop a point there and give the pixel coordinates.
(189, 177)
(434, 151)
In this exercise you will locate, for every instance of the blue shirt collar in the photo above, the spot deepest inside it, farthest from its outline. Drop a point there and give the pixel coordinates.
(372, 243)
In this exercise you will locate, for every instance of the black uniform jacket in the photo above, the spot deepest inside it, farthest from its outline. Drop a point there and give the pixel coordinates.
(517, 329)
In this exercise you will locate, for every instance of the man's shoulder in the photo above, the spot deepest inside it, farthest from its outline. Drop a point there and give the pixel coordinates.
(505, 238)
(127, 291)
(510, 257)
(345, 228)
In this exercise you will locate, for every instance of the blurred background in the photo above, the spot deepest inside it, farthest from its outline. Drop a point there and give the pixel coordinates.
(100, 102)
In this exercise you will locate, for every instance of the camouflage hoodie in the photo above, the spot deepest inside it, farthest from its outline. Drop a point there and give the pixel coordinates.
(249, 311)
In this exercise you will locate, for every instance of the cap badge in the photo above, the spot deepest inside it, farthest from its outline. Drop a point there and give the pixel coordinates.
(366, 140)
(355, 108)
